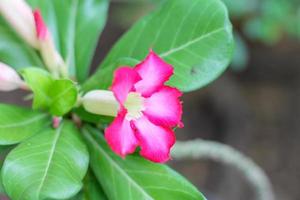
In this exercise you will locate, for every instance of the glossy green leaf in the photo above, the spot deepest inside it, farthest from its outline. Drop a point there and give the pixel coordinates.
(76, 26)
(4, 150)
(92, 190)
(135, 177)
(18, 124)
(91, 23)
(50, 165)
(14, 51)
(2, 191)
(63, 95)
(39, 81)
(194, 36)
(59, 96)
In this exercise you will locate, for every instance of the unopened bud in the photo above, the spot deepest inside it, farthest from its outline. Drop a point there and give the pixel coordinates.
(9, 78)
(19, 15)
(101, 102)
(56, 121)
(51, 57)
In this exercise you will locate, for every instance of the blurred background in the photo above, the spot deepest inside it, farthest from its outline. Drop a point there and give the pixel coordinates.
(254, 106)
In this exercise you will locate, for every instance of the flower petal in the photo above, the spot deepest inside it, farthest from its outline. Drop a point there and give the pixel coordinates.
(124, 80)
(120, 136)
(155, 141)
(41, 28)
(9, 78)
(164, 107)
(19, 15)
(154, 72)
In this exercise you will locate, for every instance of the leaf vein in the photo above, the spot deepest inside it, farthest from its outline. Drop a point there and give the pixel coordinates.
(52, 151)
(174, 50)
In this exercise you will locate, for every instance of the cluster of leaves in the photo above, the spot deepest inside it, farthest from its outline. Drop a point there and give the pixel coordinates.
(46, 163)
(267, 21)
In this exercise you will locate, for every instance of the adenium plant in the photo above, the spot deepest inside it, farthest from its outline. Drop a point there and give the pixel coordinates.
(146, 110)
(104, 136)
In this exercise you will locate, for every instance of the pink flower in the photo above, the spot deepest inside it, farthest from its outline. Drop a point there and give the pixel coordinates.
(50, 55)
(148, 112)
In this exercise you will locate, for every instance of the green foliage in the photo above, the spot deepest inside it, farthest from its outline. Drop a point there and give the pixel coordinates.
(63, 95)
(59, 96)
(199, 50)
(18, 124)
(266, 20)
(39, 82)
(76, 26)
(92, 118)
(4, 150)
(134, 177)
(50, 165)
(194, 36)
(92, 189)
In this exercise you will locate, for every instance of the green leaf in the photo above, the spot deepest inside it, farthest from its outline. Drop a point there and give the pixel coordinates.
(4, 150)
(50, 165)
(14, 51)
(91, 189)
(39, 81)
(194, 36)
(63, 95)
(93, 14)
(18, 124)
(76, 26)
(58, 95)
(135, 177)
(90, 117)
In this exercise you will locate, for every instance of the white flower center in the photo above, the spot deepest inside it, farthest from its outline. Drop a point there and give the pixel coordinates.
(134, 105)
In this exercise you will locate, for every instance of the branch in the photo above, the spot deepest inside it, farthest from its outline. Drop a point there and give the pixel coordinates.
(201, 149)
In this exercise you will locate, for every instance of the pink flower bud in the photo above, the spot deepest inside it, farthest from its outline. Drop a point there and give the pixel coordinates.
(51, 57)
(42, 32)
(19, 15)
(9, 79)
(56, 122)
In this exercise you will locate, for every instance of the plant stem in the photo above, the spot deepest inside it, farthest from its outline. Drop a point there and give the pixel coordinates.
(201, 149)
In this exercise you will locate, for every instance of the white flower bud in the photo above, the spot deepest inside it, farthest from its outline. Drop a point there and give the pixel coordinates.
(19, 15)
(52, 58)
(101, 102)
(9, 78)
